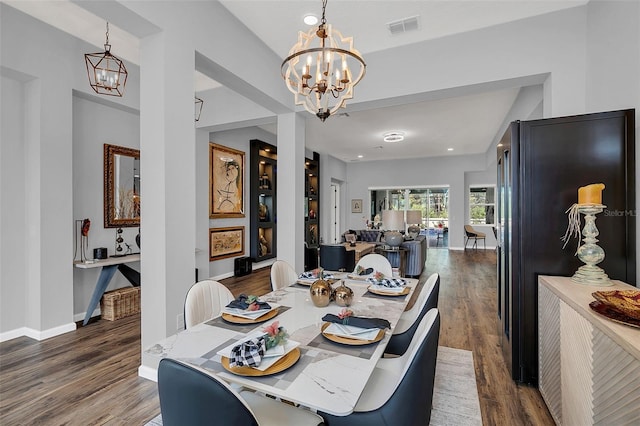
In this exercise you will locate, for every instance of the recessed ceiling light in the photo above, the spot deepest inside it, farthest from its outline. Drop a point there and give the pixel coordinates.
(392, 137)
(449, 149)
(360, 156)
(310, 19)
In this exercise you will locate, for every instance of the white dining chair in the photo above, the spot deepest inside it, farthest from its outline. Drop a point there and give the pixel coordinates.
(282, 275)
(376, 261)
(408, 323)
(205, 299)
(190, 395)
(400, 390)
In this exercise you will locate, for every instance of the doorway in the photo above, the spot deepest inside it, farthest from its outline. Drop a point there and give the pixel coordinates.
(433, 202)
(334, 228)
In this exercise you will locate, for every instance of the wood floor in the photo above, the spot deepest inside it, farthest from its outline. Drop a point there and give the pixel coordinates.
(89, 377)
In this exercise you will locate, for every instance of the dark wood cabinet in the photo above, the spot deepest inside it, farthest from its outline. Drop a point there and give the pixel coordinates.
(541, 165)
(312, 211)
(263, 166)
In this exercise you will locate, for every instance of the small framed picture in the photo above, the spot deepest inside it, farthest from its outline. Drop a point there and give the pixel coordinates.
(356, 206)
(226, 242)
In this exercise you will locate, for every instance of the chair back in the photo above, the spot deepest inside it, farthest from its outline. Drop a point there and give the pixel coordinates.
(415, 388)
(468, 229)
(190, 396)
(205, 299)
(376, 261)
(335, 257)
(282, 275)
(409, 321)
(400, 391)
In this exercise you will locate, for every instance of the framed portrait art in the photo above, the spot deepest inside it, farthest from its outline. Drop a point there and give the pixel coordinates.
(226, 242)
(226, 182)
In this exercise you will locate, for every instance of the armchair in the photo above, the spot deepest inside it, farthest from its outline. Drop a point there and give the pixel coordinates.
(335, 257)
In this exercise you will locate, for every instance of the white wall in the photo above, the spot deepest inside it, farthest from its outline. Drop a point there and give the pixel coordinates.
(96, 124)
(42, 123)
(437, 171)
(613, 67)
(12, 197)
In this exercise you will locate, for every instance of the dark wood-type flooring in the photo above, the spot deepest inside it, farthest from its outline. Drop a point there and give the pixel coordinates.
(89, 377)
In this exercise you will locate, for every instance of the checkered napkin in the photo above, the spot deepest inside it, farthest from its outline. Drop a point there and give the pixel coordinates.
(242, 303)
(387, 282)
(311, 274)
(248, 353)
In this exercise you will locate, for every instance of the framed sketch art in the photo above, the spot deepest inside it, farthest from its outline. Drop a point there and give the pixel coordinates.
(226, 242)
(356, 206)
(226, 182)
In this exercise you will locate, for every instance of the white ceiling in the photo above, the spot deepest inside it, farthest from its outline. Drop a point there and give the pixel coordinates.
(431, 127)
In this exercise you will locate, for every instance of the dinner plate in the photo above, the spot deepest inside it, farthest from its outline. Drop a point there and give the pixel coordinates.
(350, 341)
(404, 292)
(240, 320)
(289, 359)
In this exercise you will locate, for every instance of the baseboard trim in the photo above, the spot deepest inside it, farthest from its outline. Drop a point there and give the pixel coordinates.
(35, 334)
(80, 316)
(148, 373)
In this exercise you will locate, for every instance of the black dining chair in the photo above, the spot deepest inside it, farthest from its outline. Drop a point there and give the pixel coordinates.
(400, 390)
(193, 397)
(335, 257)
(409, 320)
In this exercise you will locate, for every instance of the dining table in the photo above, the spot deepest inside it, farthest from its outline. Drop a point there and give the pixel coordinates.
(328, 373)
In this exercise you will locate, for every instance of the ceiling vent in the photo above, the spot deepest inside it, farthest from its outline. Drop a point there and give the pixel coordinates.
(403, 25)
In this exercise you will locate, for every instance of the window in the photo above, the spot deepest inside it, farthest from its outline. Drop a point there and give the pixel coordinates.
(482, 205)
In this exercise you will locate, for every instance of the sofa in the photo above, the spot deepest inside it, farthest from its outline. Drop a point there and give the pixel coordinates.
(416, 256)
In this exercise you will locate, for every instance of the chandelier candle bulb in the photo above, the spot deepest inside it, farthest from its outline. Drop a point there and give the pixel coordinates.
(590, 194)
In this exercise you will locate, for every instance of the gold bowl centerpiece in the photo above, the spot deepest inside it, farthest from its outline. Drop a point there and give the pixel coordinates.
(321, 291)
(343, 295)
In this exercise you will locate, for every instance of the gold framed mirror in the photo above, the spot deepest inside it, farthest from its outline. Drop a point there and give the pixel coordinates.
(121, 186)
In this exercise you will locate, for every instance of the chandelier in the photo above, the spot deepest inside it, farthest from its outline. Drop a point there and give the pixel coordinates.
(107, 74)
(318, 70)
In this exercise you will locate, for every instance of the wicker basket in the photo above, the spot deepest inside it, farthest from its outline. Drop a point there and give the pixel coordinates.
(120, 303)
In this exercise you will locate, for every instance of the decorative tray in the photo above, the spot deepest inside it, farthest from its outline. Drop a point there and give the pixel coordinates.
(612, 314)
(626, 302)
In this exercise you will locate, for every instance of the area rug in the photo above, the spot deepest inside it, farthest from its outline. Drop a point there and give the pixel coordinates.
(455, 394)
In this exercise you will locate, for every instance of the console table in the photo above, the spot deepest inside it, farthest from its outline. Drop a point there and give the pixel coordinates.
(109, 267)
(589, 365)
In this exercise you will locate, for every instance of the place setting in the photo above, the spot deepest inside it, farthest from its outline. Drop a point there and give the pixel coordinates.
(261, 353)
(306, 279)
(387, 286)
(361, 274)
(249, 310)
(348, 329)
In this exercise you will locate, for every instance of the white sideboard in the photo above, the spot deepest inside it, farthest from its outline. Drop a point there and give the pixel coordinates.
(589, 366)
